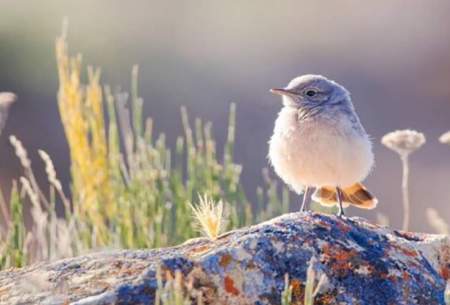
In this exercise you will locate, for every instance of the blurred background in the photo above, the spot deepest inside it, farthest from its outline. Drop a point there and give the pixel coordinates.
(393, 57)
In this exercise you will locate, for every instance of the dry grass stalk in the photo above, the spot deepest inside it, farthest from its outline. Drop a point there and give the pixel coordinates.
(437, 222)
(404, 142)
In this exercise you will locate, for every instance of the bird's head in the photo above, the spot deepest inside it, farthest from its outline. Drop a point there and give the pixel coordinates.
(312, 91)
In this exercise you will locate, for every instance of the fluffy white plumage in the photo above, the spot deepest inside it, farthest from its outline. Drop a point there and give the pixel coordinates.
(329, 148)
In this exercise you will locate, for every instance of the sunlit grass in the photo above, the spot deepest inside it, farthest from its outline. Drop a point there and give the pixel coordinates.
(209, 216)
(128, 188)
(81, 109)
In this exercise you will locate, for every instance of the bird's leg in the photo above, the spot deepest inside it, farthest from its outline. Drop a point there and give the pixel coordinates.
(305, 196)
(340, 198)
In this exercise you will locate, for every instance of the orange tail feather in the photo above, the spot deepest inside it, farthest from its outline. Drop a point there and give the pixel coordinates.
(356, 195)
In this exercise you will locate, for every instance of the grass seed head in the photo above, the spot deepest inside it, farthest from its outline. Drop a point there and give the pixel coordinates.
(209, 216)
(20, 152)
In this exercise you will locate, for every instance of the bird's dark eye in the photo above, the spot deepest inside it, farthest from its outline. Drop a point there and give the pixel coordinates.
(311, 92)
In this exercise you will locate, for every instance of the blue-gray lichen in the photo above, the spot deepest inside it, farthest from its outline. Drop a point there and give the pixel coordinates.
(354, 262)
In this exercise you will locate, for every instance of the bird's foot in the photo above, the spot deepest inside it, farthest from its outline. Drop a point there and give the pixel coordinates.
(304, 211)
(341, 213)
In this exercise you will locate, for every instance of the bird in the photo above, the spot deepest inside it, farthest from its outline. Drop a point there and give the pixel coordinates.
(6, 99)
(319, 142)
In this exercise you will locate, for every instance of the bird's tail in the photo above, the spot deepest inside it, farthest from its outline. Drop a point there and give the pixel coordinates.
(356, 195)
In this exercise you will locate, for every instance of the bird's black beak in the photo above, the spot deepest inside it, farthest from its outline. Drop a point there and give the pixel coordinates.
(281, 91)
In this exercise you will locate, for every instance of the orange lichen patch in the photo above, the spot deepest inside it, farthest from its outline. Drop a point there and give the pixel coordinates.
(413, 264)
(297, 289)
(370, 268)
(344, 227)
(323, 224)
(337, 253)
(383, 275)
(341, 257)
(326, 249)
(445, 272)
(328, 299)
(406, 276)
(343, 260)
(229, 286)
(410, 235)
(392, 278)
(200, 249)
(345, 255)
(225, 260)
(409, 252)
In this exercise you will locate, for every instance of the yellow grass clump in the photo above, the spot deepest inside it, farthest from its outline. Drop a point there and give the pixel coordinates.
(81, 109)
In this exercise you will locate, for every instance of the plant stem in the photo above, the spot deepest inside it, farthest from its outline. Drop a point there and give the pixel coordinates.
(405, 192)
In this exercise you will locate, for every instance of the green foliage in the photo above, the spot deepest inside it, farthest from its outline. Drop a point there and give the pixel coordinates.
(129, 188)
(12, 247)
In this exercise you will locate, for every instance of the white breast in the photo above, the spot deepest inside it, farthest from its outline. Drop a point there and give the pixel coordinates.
(320, 151)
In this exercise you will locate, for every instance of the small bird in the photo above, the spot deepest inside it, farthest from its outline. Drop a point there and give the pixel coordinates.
(6, 99)
(319, 142)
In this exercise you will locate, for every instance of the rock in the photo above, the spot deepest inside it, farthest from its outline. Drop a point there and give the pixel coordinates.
(354, 262)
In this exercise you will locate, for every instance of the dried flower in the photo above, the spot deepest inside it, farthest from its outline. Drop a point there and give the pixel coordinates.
(404, 141)
(209, 216)
(6, 99)
(445, 138)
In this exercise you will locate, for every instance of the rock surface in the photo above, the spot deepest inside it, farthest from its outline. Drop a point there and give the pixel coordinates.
(354, 261)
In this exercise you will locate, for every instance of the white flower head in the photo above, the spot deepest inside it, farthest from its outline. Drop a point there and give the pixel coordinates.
(404, 141)
(445, 138)
(6, 99)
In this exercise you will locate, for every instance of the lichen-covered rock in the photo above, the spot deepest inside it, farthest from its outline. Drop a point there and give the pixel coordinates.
(354, 262)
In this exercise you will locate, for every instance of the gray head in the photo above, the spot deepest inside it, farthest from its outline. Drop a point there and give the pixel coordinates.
(312, 92)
